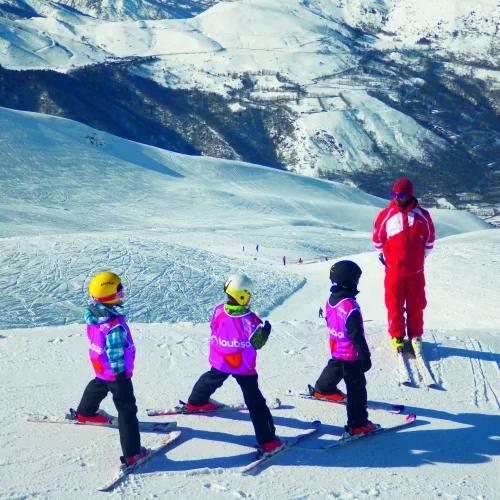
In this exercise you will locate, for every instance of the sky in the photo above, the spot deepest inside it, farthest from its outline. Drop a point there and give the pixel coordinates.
(76, 202)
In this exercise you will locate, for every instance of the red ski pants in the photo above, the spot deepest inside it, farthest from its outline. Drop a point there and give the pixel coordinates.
(405, 293)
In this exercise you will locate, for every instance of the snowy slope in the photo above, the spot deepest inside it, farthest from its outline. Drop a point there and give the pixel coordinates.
(119, 10)
(318, 47)
(468, 27)
(114, 186)
(75, 202)
(245, 28)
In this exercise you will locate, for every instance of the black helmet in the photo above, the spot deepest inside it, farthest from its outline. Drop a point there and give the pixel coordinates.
(345, 274)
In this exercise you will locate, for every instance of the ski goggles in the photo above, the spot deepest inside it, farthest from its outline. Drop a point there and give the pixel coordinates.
(399, 196)
(120, 293)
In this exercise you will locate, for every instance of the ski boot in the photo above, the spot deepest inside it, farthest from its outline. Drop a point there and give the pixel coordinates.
(398, 343)
(128, 462)
(337, 397)
(271, 447)
(205, 407)
(358, 431)
(416, 343)
(100, 418)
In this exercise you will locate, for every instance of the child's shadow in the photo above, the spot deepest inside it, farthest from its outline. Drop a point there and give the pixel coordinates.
(473, 444)
(225, 462)
(211, 463)
(419, 445)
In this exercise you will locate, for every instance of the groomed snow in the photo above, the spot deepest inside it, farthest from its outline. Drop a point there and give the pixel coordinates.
(76, 201)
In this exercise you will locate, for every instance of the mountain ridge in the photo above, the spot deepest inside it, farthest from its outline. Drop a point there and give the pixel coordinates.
(356, 94)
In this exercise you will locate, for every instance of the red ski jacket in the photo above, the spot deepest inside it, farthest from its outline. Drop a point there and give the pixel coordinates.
(405, 235)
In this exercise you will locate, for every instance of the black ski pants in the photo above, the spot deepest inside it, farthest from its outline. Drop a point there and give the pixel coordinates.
(262, 419)
(124, 400)
(354, 377)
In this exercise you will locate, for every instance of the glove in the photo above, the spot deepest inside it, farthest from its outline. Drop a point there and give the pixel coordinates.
(381, 258)
(259, 338)
(367, 364)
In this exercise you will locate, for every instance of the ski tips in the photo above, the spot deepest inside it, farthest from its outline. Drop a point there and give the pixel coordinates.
(172, 435)
(397, 409)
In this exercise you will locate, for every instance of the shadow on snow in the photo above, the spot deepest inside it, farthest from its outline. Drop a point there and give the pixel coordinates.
(472, 442)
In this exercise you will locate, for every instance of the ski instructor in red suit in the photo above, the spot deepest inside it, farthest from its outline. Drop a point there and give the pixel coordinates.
(404, 234)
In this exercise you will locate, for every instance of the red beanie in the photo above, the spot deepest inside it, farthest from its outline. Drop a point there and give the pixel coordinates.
(403, 186)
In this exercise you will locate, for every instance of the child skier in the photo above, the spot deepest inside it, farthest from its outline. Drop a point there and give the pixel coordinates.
(112, 354)
(236, 335)
(350, 352)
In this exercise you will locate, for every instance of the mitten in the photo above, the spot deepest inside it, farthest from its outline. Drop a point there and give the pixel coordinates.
(259, 338)
(381, 258)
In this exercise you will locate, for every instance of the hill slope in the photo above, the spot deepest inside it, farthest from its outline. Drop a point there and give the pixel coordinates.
(359, 92)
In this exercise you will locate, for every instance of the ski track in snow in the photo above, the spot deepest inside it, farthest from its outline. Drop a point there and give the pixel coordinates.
(208, 456)
(153, 272)
(173, 261)
(484, 391)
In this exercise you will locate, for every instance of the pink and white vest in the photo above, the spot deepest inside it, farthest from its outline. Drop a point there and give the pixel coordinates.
(336, 318)
(230, 347)
(97, 351)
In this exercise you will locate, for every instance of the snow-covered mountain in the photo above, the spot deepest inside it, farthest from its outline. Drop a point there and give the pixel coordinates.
(135, 10)
(107, 10)
(355, 91)
(76, 201)
(59, 178)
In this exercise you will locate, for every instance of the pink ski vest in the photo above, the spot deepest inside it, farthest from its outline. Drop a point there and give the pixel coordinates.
(97, 351)
(230, 347)
(336, 318)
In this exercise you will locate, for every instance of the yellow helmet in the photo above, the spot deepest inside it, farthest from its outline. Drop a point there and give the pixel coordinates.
(239, 287)
(106, 288)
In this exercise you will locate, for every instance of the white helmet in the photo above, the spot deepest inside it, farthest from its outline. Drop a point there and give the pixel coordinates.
(239, 287)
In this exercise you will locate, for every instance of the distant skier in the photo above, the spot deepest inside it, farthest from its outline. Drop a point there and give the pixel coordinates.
(300, 260)
(236, 335)
(350, 353)
(284, 260)
(404, 234)
(112, 354)
(320, 313)
(257, 248)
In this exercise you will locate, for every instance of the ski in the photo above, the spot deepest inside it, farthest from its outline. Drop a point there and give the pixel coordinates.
(350, 439)
(403, 370)
(181, 409)
(263, 457)
(371, 405)
(423, 369)
(70, 418)
(126, 470)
